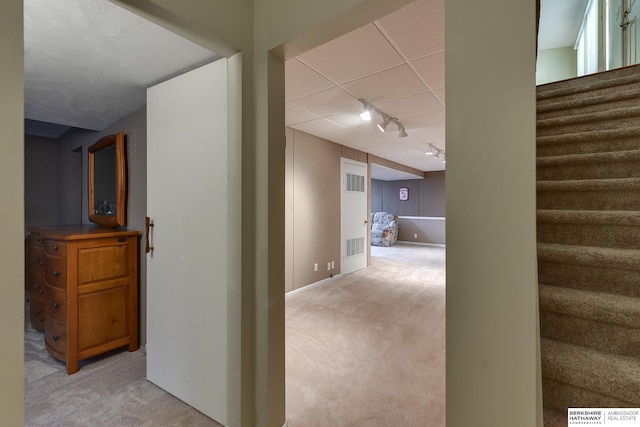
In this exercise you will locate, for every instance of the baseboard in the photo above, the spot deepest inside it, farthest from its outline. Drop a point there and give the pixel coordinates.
(313, 285)
(439, 245)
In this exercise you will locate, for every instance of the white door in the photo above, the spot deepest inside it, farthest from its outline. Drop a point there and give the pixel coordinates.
(187, 269)
(354, 218)
(632, 36)
(623, 33)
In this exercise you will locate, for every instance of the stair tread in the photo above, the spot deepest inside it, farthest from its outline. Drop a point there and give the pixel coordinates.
(600, 116)
(597, 306)
(607, 373)
(627, 132)
(602, 157)
(609, 184)
(628, 259)
(618, 77)
(589, 217)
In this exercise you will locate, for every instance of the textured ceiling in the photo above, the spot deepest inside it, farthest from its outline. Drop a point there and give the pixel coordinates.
(88, 63)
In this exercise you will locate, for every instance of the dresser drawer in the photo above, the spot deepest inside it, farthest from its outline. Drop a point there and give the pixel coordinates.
(36, 284)
(56, 248)
(56, 336)
(36, 258)
(55, 272)
(36, 314)
(56, 305)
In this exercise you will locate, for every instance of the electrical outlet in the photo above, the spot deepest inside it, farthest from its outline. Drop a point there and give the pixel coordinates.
(333, 265)
(328, 266)
(415, 235)
(315, 267)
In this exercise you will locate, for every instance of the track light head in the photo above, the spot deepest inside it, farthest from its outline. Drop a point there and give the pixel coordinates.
(382, 126)
(429, 151)
(437, 155)
(366, 114)
(402, 132)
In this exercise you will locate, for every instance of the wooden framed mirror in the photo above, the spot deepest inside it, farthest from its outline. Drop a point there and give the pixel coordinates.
(107, 181)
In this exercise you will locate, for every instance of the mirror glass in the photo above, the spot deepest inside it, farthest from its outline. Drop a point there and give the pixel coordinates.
(107, 181)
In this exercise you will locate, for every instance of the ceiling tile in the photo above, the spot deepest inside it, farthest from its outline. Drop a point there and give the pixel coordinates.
(441, 95)
(428, 127)
(417, 29)
(387, 85)
(328, 102)
(301, 80)
(321, 128)
(431, 69)
(412, 106)
(357, 54)
(294, 114)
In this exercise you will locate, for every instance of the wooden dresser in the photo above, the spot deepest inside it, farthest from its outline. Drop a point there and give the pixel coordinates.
(35, 281)
(90, 290)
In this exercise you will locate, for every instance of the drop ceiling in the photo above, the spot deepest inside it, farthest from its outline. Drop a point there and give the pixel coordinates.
(88, 63)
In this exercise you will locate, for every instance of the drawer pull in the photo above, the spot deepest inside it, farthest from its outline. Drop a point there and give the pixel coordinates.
(41, 291)
(37, 312)
(55, 248)
(37, 260)
(56, 337)
(42, 320)
(40, 240)
(56, 305)
(56, 273)
(41, 263)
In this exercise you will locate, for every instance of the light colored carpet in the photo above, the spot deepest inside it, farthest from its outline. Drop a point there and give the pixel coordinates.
(368, 349)
(106, 391)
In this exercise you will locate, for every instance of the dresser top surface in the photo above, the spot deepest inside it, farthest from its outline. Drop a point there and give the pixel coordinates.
(81, 231)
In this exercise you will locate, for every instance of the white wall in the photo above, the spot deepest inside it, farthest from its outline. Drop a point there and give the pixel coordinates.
(556, 64)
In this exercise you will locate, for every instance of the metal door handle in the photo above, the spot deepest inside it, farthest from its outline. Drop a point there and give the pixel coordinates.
(149, 225)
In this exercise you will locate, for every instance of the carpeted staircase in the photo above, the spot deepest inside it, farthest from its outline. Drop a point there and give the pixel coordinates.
(588, 172)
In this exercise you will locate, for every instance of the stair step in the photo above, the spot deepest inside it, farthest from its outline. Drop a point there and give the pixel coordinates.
(609, 229)
(606, 101)
(627, 259)
(601, 321)
(609, 119)
(558, 396)
(588, 83)
(589, 217)
(590, 194)
(616, 164)
(597, 135)
(597, 306)
(607, 374)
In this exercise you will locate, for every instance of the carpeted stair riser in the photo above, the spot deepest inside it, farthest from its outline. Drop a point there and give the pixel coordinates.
(626, 259)
(586, 318)
(590, 278)
(606, 373)
(558, 396)
(592, 199)
(603, 235)
(589, 103)
(569, 145)
(614, 119)
(588, 83)
(625, 164)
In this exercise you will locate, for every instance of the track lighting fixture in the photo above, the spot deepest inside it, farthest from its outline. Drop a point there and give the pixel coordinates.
(386, 119)
(434, 151)
(366, 113)
(383, 124)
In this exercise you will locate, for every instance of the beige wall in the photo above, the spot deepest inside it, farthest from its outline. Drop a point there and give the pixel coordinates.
(491, 316)
(492, 363)
(313, 208)
(11, 213)
(556, 64)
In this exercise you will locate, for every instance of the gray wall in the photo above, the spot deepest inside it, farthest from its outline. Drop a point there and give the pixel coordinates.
(426, 196)
(40, 181)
